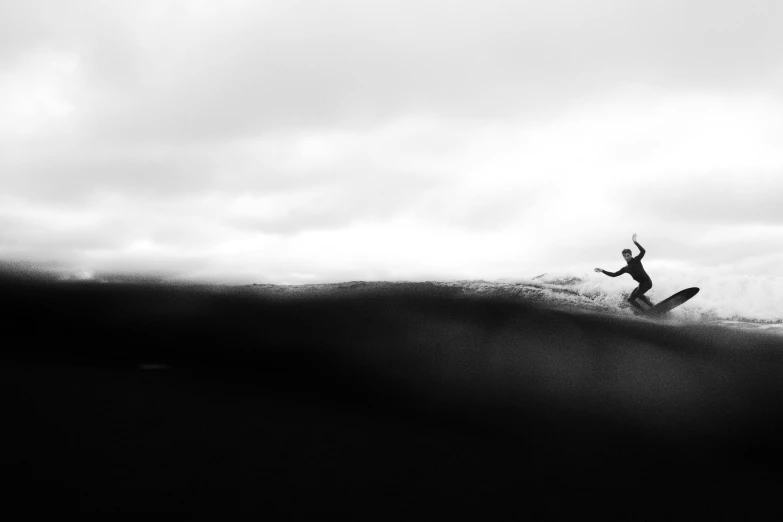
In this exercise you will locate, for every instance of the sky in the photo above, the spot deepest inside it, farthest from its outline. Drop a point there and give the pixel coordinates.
(297, 141)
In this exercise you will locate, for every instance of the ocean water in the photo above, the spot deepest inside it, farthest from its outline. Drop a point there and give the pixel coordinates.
(398, 394)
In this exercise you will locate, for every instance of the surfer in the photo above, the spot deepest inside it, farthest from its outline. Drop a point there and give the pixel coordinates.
(636, 270)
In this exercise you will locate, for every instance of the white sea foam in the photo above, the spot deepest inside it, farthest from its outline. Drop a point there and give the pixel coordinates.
(722, 297)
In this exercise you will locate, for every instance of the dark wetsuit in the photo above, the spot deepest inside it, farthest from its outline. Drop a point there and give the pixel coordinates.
(635, 268)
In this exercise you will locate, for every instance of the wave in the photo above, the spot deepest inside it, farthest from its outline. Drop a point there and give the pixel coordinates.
(400, 394)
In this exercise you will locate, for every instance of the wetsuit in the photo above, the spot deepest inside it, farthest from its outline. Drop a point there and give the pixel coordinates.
(635, 268)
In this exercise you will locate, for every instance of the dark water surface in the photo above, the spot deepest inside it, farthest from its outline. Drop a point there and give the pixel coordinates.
(374, 400)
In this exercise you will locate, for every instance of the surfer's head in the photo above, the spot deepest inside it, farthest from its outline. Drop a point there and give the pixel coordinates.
(627, 254)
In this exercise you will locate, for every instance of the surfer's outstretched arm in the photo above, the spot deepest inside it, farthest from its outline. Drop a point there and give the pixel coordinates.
(612, 274)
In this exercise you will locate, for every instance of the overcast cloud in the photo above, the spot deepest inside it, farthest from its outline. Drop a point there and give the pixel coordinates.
(313, 141)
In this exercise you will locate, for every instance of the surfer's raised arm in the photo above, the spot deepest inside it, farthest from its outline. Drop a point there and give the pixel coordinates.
(640, 247)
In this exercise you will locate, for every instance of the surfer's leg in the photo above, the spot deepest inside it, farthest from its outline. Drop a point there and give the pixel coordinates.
(643, 288)
(632, 299)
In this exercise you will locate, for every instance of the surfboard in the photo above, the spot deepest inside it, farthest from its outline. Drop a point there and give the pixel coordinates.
(643, 304)
(672, 302)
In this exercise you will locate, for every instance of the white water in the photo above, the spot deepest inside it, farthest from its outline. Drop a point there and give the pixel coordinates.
(752, 302)
(725, 297)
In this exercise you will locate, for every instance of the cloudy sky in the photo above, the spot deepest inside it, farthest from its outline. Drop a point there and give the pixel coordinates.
(298, 141)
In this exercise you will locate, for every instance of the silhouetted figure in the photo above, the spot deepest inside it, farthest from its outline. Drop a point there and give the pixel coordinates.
(636, 270)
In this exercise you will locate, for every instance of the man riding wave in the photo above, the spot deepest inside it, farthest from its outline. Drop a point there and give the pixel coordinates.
(636, 270)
